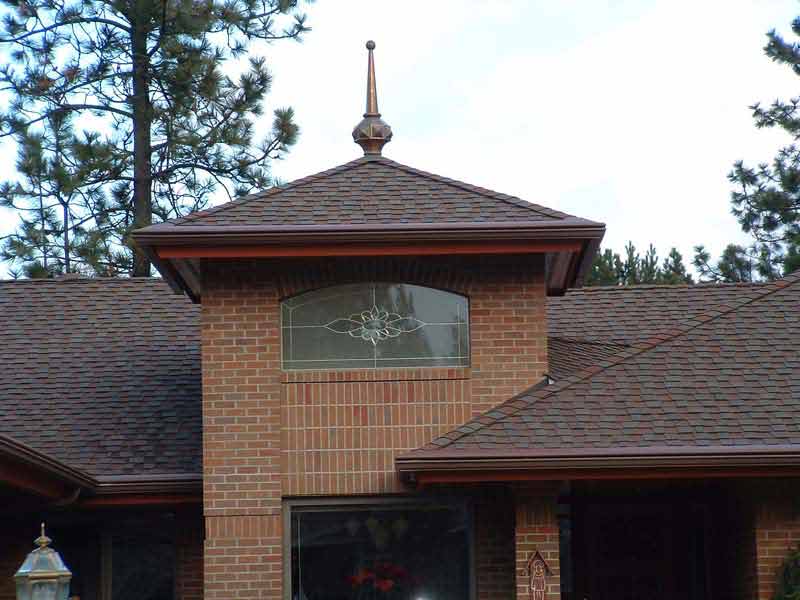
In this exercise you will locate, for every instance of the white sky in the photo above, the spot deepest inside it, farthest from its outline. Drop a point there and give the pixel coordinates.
(629, 112)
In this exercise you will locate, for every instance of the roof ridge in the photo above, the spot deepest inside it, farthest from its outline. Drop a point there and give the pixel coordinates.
(271, 191)
(73, 280)
(668, 286)
(593, 342)
(507, 198)
(537, 391)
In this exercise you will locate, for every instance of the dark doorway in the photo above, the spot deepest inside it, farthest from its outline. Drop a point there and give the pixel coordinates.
(693, 540)
(640, 551)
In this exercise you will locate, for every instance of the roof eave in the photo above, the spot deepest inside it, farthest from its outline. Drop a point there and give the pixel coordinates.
(95, 486)
(167, 234)
(43, 463)
(168, 246)
(160, 483)
(446, 465)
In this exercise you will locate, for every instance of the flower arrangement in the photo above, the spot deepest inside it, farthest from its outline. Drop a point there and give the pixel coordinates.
(385, 580)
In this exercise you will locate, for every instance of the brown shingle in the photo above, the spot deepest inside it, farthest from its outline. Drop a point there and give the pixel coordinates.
(623, 315)
(102, 374)
(589, 325)
(372, 191)
(723, 377)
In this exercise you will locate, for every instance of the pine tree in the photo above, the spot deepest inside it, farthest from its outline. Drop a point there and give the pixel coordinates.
(737, 264)
(148, 73)
(766, 198)
(609, 268)
(53, 190)
(673, 271)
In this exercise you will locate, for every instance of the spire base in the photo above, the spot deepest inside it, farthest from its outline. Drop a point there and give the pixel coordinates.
(372, 134)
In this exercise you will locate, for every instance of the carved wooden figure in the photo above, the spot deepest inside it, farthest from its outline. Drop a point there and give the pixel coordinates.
(538, 571)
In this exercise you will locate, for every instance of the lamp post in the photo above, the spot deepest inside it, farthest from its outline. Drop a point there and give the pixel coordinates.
(43, 575)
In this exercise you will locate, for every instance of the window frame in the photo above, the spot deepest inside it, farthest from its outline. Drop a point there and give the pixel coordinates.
(377, 367)
(345, 503)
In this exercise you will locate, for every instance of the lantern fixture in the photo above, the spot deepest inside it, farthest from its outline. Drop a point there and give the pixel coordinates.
(43, 575)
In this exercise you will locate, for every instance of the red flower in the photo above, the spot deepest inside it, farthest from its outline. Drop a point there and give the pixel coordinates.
(384, 585)
(360, 577)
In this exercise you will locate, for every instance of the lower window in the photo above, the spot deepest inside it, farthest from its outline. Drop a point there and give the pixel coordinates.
(407, 552)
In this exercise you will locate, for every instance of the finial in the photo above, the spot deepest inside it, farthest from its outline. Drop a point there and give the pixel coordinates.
(372, 90)
(372, 133)
(42, 541)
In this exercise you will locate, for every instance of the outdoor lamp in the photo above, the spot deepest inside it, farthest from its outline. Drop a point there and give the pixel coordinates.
(43, 575)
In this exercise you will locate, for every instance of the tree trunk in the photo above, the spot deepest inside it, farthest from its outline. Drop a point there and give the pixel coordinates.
(142, 116)
(67, 265)
(55, 125)
(42, 228)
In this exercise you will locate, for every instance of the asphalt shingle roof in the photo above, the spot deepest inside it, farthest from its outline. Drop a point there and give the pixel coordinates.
(372, 191)
(623, 315)
(102, 374)
(589, 325)
(724, 377)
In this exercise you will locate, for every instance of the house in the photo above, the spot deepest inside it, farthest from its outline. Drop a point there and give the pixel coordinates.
(376, 382)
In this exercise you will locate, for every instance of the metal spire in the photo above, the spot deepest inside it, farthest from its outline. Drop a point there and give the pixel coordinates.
(372, 133)
(372, 90)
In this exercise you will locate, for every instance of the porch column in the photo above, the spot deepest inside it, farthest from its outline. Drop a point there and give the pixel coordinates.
(536, 529)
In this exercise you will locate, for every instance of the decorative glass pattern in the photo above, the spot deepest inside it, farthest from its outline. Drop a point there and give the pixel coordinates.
(374, 325)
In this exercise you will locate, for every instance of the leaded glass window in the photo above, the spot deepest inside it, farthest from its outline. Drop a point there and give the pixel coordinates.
(375, 325)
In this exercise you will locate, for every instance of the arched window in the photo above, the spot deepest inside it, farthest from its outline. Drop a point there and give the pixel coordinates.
(375, 325)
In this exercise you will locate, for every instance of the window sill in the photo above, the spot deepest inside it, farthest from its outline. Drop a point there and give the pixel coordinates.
(351, 375)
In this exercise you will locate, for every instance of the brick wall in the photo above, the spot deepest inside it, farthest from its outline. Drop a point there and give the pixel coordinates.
(243, 557)
(268, 434)
(343, 429)
(341, 438)
(241, 438)
(536, 529)
(777, 532)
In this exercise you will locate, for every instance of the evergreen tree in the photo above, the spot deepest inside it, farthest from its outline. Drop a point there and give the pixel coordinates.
(737, 264)
(766, 198)
(673, 271)
(148, 73)
(609, 268)
(52, 196)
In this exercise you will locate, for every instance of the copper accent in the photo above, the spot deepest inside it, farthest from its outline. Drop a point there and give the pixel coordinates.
(372, 92)
(372, 133)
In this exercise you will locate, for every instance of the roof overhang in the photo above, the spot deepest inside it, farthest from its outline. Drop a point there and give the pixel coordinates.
(34, 472)
(456, 466)
(29, 470)
(178, 250)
